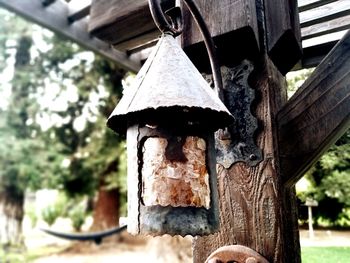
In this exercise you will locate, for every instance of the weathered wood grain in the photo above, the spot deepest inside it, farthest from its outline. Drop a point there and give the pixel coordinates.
(125, 24)
(325, 13)
(327, 27)
(251, 197)
(317, 115)
(232, 23)
(305, 5)
(292, 251)
(54, 17)
(139, 43)
(282, 33)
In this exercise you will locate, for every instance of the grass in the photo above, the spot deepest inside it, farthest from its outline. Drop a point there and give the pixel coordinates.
(20, 255)
(308, 254)
(325, 254)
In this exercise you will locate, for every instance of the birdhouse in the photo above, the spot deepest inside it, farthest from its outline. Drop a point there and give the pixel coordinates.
(169, 115)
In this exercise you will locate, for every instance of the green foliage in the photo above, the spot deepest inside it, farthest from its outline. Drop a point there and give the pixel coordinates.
(77, 215)
(296, 78)
(31, 213)
(330, 183)
(18, 148)
(53, 211)
(46, 144)
(329, 178)
(12, 254)
(50, 214)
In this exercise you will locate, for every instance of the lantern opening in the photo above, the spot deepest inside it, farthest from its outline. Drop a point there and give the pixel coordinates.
(174, 172)
(172, 187)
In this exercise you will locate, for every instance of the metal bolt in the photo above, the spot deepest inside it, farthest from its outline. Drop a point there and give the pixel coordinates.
(252, 157)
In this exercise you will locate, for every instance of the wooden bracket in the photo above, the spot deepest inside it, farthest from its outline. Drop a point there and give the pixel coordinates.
(317, 114)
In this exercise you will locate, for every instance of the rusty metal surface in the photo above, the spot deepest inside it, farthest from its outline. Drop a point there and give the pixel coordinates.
(169, 85)
(237, 142)
(175, 183)
(235, 253)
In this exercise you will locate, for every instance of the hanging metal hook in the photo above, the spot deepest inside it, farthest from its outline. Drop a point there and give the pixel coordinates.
(176, 27)
(169, 22)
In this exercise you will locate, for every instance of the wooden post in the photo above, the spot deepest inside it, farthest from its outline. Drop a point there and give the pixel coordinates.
(251, 197)
(256, 210)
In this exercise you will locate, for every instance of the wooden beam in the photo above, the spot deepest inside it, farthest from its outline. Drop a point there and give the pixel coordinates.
(232, 24)
(124, 24)
(325, 13)
(313, 55)
(327, 27)
(317, 115)
(305, 5)
(78, 9)
(283, 33)
(54, 17)
(80, 14)
(47, 2)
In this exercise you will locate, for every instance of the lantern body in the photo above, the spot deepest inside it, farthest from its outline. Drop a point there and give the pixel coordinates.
(172, 186)
(170, 114)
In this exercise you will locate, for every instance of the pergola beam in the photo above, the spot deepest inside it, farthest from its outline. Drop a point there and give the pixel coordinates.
(317, 115)
(55, 18)
(78, 9)
(80, 14)
(335, 25)
(324, 13)
(47, 2)
(305, 5)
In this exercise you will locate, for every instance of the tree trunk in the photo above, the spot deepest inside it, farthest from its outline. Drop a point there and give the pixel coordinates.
(11, 216)
(106, 209)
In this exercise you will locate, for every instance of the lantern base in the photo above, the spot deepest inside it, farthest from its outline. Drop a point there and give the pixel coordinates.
(160, 220)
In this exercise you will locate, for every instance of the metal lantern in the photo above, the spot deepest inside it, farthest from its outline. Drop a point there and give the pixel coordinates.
(170, 115)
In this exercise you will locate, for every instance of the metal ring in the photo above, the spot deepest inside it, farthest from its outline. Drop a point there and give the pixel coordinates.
(175, 28)
(165, 27)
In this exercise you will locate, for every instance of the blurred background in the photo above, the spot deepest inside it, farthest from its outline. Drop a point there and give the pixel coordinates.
(62, 169)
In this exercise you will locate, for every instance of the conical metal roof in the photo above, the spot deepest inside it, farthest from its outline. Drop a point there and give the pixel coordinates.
(169, 87)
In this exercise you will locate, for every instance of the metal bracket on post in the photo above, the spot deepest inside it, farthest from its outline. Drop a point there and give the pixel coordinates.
(236, 143)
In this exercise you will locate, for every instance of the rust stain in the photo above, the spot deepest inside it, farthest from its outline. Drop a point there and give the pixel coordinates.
(175, 183)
